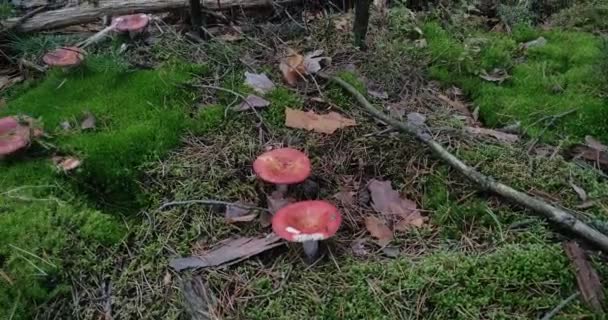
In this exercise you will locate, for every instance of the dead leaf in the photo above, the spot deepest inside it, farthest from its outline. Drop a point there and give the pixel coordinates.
(595, 144)
(378, 229)
(391, 252)
(420, 43)
(235, 214)
(228, 252)
(539, 42)
(66, 163)
(586, 277)
(167, 279)
(382, 95)
(346, 197)
(292, 67)
(252, 101)
(476, 114)
(416, 119)
(389, 203)
(259, 82)
(590, 154)
(276, 201)
(496, 75)
(265, 219)
(456, 104)
(582, 194)
(326, 123)
(501, 136)
(88, 122)
(359, 248)
(295, 66)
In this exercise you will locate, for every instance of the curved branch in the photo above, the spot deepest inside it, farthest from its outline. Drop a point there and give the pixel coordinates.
(557, 215)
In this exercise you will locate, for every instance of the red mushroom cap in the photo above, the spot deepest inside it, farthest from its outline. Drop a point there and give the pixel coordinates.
(282, 166)
(307, 220)
(132, 22)
(64, 57)
(13, 136)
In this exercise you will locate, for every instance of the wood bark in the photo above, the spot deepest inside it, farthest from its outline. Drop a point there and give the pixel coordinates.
(557, 215)
(586, 277)
(87, 13)
(361, 22)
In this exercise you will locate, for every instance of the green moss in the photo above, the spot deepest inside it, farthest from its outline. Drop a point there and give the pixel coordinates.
(280, 98)
(514, 282)
(545, 80)
(140, 115)
(40, 238)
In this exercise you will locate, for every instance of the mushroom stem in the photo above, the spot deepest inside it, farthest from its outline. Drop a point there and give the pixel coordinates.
(311, 248)
(282, 188)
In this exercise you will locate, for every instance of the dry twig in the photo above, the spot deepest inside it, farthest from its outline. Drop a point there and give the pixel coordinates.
(559, 216)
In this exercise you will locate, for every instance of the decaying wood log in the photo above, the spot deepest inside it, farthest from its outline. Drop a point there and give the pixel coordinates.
(86, 13)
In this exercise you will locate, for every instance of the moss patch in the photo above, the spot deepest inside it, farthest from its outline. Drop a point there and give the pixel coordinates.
(547, 80)
(139, 115)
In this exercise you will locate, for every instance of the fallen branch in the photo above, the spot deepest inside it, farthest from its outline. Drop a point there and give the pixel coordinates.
(587, 279)
(557, 215)
(86, 13)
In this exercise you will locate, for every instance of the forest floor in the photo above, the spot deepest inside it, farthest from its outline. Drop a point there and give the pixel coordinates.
(91, 242)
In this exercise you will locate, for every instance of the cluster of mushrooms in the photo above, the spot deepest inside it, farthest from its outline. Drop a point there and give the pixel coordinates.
(307, 222)
(71, 57)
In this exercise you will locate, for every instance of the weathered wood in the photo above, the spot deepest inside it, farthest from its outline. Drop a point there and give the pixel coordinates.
(87, 13)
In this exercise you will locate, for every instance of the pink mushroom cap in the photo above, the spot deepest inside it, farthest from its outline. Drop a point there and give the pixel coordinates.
(307, 221)
(131, 23)
(282, 166)
(13, 136)
(64, 57)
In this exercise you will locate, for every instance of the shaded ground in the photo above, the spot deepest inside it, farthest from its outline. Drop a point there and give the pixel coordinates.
(477, 257)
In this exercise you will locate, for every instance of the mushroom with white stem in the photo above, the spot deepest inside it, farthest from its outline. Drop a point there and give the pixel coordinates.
(65, 57)
(134, 24)
(308, 222)
(282, 167)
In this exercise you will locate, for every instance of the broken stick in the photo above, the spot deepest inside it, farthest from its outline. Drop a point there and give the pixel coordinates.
(559, 216)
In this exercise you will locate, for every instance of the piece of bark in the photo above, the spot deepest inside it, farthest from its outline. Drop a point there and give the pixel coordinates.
(586, 277)
(228, 252)
(86, 13)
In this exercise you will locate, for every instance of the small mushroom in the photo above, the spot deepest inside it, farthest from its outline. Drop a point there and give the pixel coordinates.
(134, 24)
(13, 136)
(66, 57)
(307, 222)
(282, 167)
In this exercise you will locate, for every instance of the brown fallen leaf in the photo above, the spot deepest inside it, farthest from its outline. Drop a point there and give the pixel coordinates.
(389, 203)
(292, 67)
(252, 101)
(259, 82)
(235, 214)
(586, 277)
(66, 163)
(295, 66)
(378, 229)
(496, 75)
(590, 154)
(346, 197)
(88, 122)
(456, 104)
(326, 123)
(228, 252)
(276, 200)
(498, 135)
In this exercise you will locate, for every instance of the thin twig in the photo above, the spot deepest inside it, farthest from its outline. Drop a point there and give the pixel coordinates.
(210, 202)
(560, 306)
(557, 215)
